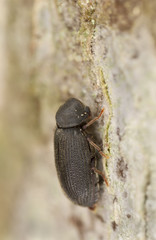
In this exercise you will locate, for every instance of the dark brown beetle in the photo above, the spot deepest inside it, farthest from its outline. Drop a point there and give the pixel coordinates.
(74, 158)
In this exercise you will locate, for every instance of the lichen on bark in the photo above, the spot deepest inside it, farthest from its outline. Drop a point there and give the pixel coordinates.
(102, 52)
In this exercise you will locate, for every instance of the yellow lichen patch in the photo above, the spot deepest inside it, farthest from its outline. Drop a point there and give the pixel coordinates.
(118, 14)
(108, 123)
(108, 99)
(88, 23)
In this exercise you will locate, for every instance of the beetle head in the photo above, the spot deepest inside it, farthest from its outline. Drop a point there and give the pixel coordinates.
(72, 113)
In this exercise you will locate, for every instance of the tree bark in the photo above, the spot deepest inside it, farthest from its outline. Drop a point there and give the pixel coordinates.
(103, 53)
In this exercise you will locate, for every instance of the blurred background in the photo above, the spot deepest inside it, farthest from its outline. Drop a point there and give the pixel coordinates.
(51, 50)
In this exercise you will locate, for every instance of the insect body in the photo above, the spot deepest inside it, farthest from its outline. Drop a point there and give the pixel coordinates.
(74, 159)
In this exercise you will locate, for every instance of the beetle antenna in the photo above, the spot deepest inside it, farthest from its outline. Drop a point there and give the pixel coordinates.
(93, 120)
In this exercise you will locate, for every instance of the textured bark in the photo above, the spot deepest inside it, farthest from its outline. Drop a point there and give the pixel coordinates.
(103, 53)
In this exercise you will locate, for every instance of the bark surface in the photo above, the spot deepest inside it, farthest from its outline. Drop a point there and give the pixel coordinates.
(103, 53)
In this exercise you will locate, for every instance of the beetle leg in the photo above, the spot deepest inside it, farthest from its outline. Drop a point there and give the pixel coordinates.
(93, 207)
(97, 148)
(93, 120)
(98, 182)
(101, 174)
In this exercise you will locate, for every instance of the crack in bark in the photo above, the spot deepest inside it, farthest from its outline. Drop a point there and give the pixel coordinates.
(148, 181)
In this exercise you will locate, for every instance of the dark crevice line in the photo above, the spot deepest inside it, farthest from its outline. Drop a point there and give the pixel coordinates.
(148, 182)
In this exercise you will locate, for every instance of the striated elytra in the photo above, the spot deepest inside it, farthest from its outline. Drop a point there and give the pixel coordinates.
(74, 158)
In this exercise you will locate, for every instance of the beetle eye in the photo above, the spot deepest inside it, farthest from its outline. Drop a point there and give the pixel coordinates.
(87, 110)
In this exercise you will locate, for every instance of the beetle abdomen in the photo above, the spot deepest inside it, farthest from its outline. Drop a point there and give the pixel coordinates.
(73, 164)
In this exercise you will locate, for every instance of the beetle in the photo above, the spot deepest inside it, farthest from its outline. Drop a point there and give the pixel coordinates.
(74, 157)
